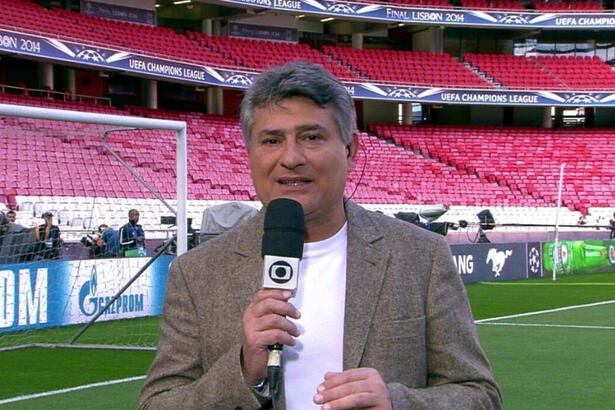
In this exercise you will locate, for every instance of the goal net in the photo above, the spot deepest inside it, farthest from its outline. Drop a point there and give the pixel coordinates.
(66, 197)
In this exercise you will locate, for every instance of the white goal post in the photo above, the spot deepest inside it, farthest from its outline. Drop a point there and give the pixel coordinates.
(125, 121)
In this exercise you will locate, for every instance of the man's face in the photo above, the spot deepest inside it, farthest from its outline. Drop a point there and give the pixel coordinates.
(10, 217)
(133, 216)
(297, 152)
(49, 220)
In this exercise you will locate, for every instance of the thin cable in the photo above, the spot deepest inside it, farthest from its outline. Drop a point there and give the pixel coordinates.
(361, 149)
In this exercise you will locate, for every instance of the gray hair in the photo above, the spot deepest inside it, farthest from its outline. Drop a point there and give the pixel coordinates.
(299, 79)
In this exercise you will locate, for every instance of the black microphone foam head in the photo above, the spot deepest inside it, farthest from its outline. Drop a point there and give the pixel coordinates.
(283, 229)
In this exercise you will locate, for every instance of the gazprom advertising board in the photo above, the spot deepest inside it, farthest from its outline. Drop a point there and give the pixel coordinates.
(38, 295)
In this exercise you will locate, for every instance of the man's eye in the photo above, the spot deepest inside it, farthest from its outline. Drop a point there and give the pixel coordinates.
(270, 141)
(312, 137)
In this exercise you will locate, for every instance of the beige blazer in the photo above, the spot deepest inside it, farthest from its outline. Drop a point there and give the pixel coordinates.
(407, 315)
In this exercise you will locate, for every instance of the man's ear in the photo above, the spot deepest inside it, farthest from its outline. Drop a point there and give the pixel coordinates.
(352, 150)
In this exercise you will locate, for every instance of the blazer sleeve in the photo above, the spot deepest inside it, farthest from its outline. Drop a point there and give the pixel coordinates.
(458, 372)
(178, 377)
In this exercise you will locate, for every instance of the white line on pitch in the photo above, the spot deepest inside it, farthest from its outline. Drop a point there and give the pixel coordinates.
(546, 284)
(547, 325)
(493, 319)
(70, 389)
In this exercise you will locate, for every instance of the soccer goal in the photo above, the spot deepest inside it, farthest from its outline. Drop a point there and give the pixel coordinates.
(66, 166)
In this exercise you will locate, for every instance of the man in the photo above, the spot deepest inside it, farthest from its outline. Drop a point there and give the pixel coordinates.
(14, 240)
(48, 238)
(5, 222)
(132, 237)
(111, 240)
(105, 243)
(380, 319)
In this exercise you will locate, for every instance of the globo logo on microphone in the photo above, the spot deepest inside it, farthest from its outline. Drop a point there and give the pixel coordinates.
(280, 272)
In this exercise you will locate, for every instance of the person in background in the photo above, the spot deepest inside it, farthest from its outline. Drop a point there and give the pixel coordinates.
(111, 239)
(48, 238)
(582, 220)
(132, 237)
(380, 319)
(15, 240)
(5, 221)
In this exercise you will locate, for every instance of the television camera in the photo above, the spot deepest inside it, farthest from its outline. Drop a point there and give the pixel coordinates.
(430, 215)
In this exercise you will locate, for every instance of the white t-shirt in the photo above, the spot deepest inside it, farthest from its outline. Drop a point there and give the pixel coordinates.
(320, 298)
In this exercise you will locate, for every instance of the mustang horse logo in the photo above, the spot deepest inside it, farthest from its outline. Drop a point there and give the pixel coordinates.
(497, 258)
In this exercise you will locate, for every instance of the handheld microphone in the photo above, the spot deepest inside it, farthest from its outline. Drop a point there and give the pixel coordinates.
(282, 249)
(282, 246)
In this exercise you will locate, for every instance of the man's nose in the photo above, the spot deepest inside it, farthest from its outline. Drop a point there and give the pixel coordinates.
(292, 155)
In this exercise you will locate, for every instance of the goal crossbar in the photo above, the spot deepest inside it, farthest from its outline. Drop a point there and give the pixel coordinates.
(179, 127)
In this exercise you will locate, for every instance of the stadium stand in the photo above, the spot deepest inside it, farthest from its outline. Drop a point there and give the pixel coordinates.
(579, 73)
(217, 166)
(570, 6)
(514, 72)
(445, 162)
(66, 24)
(401, 67)
(430, 164)
(260, 54)
(407, 67)
(524, 159)
(545, 73)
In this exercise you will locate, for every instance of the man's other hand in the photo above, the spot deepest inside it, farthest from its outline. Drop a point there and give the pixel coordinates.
(361, 388)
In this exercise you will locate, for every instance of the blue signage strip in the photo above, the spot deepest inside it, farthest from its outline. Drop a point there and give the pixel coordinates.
(484, 97)
(491, 262)
(66, 51)
(263, 32)
(447, 17)
(106, 58)
(116, 12)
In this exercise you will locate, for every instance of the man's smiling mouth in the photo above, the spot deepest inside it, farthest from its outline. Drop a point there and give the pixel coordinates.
(293, 181)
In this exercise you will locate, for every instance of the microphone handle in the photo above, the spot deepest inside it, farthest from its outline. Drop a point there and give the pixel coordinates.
(275, 355)
(275, 376)
(276, 387)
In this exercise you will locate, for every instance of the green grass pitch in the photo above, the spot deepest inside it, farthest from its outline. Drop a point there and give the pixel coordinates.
(553, 360)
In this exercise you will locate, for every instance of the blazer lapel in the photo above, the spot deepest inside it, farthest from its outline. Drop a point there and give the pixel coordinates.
(365, 273)
(247, 267)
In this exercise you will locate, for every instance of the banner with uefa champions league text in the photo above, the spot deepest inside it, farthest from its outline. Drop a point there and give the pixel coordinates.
(522, 19)
(49, 294)
(55, 50)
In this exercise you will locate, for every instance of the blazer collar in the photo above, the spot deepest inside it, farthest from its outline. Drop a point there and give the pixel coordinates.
(247, 263)
(366, 262)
